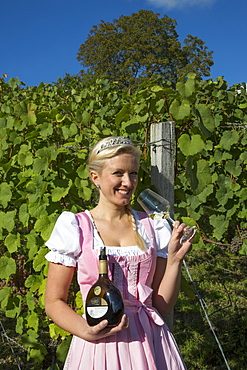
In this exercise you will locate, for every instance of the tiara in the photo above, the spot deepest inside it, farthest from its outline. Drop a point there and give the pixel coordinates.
(120, 140)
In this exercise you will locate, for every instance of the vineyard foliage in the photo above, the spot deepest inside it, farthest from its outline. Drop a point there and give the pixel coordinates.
(45, 134)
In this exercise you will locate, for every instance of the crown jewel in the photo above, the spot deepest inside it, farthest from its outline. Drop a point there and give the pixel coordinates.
(114, 142)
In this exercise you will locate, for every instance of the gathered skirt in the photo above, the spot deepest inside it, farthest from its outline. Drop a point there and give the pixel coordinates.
(147, 344)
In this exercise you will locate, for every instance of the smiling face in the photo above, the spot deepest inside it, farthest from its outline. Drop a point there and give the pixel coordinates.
(118, 179)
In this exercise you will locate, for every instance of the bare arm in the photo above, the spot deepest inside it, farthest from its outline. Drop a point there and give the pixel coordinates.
(167, 278)
(58, 283)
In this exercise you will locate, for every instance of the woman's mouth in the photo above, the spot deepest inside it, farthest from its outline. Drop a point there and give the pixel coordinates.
(123, 192)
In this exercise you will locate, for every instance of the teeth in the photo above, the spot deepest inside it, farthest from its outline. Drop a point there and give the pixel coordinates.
(123, 191)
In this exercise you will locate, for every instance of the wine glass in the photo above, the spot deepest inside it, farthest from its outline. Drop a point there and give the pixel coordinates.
(158, 207)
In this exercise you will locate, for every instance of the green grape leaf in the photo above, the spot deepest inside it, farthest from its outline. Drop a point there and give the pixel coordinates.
(19, 325)
(233, 167)
(61, 190)
(198, 173)
(4, 296)
(5, 194)
(45, 225)
(122, 114)
(62, 349)
(33, 282)
(46, 129)
(7, 267)
(243, 249)
(206, 118)
(39, 260)
(30, 300)
(33, 321)
(228, 139)
(190, 145)
(13, 307)
(179, 110)
(187, 88)
(23, 214)
(12, 242)
(56, 331)
(30, 339)
(39, 165)
(83, 172)
(220, 223)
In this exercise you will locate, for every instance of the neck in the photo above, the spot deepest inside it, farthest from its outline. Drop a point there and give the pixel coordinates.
(109, 212)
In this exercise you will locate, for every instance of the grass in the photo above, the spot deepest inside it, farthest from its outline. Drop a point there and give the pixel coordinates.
(220, 279)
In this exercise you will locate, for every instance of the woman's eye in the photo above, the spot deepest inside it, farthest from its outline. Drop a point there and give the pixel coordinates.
(119, 173)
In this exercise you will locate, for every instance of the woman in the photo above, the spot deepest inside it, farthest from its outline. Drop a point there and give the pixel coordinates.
(144, 262)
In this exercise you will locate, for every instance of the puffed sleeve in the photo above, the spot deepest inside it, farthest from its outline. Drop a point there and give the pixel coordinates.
(163, 235)
(64, 242)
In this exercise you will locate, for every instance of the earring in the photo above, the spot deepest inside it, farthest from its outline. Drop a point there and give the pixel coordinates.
(98, 186)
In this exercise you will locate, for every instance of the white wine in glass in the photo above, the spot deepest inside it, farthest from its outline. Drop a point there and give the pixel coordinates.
(158, 207)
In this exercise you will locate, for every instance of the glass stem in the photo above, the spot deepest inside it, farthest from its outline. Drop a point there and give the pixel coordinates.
(171, 220)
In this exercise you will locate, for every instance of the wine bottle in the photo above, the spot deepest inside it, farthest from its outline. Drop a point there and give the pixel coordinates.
(104, 300)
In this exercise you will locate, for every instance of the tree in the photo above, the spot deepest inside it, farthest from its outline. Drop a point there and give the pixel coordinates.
(134, 48)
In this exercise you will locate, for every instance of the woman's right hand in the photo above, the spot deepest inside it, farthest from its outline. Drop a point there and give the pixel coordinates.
(101, 330)
(58, 283)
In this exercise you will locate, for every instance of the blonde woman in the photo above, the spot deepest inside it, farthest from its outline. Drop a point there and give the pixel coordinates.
(144, 258)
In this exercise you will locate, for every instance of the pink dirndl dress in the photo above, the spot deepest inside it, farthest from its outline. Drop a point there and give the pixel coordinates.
(147, 344)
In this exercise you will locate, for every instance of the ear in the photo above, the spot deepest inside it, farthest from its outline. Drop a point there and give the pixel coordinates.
(94, 177)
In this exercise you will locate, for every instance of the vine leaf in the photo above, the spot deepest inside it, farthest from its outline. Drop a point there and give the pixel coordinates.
(12, 242)
(198, 173)
(207, 124)
(220, 223)
(228, 139)
(5, 194)
(179, 110)
(187, 88)
(190, 145)
(7, 267)
(61, 190)
(44, 225)
(4, 295)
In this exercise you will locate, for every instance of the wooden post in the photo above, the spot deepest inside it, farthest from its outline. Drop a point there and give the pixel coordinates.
(163, 167)
(163, 159)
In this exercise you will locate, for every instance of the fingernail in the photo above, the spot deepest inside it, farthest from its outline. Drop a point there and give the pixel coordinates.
(127, 323)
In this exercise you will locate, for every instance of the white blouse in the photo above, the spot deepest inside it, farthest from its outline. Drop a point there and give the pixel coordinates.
(65, 247)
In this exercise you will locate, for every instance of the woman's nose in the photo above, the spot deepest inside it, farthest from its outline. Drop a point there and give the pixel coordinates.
(126, 180)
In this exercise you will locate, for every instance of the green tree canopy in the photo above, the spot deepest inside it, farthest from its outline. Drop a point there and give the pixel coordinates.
(134, 48)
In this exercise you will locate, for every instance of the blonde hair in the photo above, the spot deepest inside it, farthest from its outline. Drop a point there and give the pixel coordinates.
(105, 149)
(99, 156)
(139, 240)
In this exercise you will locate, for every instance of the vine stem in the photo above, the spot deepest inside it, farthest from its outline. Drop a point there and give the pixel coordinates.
(212, 241)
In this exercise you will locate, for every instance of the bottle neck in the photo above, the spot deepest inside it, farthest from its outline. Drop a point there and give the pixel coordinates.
(103, 267)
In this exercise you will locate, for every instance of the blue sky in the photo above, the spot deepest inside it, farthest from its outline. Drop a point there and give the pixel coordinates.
(40, 38)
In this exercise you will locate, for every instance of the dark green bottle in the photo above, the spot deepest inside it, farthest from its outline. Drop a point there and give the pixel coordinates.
(104, 300)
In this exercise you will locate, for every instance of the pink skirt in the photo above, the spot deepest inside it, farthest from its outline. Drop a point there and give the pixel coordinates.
(147, 344)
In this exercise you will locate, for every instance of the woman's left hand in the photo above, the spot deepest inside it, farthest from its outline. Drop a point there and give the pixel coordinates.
(176, 250)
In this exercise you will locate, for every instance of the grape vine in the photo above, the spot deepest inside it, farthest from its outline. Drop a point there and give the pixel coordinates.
(45, 133)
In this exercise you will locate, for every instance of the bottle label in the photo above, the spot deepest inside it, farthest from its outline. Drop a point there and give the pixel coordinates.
(97, 290)
(97, 307)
